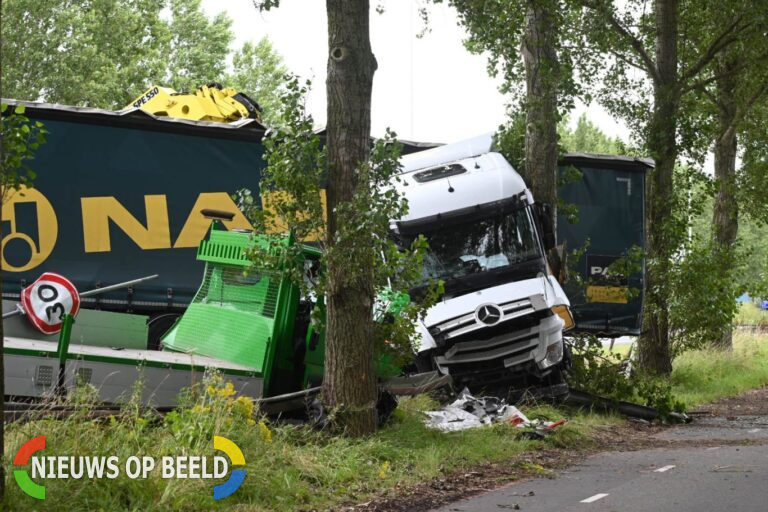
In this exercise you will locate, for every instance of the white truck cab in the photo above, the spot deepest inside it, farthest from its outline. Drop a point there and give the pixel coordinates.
(502, 316)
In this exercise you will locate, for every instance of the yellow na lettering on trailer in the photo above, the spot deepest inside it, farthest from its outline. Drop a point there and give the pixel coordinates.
(47, 228)
(99, 211)
(196, 226)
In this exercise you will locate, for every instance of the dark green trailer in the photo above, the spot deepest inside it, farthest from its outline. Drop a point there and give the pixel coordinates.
(118, 195)
(610, 198)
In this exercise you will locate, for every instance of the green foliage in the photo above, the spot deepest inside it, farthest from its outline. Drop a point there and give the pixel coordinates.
(293, 201)
(750, 315)
(703, 300)
(509, 140)
(603, 374)
(92, 52)
(210, 408)
(104, 53)
(198, 47)
(587, 137)
(702, 376)
(706, 280)
(497, 29)
(259, 71)
(21, 138)
(287, 467)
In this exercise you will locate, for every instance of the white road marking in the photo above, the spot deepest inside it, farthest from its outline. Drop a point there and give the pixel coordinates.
(662, 470)
(713, 448)
(594, 498)
(754, 431)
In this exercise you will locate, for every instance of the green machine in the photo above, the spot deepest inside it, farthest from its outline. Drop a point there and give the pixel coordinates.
(249, 316)
(249, 322)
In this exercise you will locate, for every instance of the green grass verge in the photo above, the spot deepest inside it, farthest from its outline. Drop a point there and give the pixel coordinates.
(287, 467)
(750, 314)
(703, 376)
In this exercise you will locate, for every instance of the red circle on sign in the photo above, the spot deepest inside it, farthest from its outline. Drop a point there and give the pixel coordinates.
(45, 310)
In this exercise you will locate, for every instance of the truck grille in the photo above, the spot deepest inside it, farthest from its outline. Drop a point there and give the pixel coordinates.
(503, 345)
(514, 347)
(468, 323)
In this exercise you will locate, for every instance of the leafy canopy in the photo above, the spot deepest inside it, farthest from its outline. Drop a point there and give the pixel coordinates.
(104, 53)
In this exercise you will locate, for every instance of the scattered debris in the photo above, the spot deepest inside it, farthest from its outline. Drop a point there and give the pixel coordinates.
(733, 469)
(469, 412)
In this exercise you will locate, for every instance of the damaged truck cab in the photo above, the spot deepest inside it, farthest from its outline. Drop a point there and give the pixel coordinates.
(501, 318)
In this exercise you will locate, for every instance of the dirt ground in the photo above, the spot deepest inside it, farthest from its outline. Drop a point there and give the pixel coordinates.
(752, 403)
(546, 461)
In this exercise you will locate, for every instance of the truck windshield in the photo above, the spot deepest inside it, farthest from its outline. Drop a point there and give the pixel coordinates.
(479, 245)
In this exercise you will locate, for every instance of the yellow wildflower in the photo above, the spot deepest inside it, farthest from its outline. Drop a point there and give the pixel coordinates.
(243, 407)
(384, 470)
(266, 434)
(227, 391)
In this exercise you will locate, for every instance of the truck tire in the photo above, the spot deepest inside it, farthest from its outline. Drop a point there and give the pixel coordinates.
(157, 327)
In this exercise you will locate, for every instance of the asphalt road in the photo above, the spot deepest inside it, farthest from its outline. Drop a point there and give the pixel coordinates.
(702, 473)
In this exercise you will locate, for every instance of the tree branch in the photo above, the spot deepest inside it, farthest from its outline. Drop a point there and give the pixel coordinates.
(726, 37)
(637, 45)
(706, 81)
(710, 96)
(741, 112)
(627, 60)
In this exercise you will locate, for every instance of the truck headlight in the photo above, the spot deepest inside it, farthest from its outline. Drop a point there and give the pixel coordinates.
(565, 314)
(554, 354)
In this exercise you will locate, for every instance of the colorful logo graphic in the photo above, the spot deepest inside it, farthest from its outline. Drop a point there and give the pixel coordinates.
(235, 480)
(22, 477)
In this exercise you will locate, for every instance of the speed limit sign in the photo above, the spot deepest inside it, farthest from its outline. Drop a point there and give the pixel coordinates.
(48, 299)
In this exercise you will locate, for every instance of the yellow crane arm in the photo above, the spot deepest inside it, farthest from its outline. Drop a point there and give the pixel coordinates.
(210, 102)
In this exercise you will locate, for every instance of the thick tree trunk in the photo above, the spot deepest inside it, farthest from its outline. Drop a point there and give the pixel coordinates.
(541, 80)
(725, 219)
(654, 349)
(349, 385)
(2, 331)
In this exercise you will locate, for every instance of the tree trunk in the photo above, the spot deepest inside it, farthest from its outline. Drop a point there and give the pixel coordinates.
(654, 349)
(2, 331)
(349, 385)
(725, 218)
(541, 80)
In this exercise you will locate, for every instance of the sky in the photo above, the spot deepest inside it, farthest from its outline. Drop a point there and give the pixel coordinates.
(429, 90)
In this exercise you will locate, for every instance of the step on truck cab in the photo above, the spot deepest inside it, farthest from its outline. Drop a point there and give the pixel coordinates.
(501, 318)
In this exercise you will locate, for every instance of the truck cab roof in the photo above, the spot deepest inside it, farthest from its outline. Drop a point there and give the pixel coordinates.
(457, 176)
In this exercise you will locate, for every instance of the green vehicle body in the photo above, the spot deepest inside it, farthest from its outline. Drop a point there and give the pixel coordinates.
(245, 315)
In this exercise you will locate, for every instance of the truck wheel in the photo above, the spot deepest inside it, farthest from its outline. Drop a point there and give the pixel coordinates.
(157, 327)
(385, 406)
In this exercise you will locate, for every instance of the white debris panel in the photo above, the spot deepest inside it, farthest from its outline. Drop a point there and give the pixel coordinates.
(468, 411)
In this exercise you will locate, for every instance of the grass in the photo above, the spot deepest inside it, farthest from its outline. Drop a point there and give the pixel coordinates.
(287, 467)
(296, 468)
(751, 315)
(703, 376)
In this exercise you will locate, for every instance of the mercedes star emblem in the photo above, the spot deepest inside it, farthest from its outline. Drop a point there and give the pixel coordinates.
(488, 314)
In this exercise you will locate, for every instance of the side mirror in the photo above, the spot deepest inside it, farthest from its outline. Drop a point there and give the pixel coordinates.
(544, 217)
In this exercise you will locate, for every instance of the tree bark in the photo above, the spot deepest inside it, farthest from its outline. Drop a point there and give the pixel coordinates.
(2, 331)
(542, 74)
(349, 385)
(725, 218)
(654, 348)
